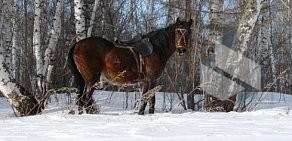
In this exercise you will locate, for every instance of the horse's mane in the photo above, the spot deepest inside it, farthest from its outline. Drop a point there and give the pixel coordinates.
(155, 32)
(160, 40)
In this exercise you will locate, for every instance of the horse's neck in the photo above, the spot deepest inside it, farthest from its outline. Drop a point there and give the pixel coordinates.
(162, 43)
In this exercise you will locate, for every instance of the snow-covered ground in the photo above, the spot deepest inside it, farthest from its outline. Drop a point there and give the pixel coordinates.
(267, 121)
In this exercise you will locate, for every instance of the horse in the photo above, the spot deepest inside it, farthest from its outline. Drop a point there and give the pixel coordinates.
(94, 60)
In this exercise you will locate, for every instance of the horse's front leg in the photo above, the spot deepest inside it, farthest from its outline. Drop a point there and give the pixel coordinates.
(142, 107)
(152, 97)
(143, 101)
(147, 97)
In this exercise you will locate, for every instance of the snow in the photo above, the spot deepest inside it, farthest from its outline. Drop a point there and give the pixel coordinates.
(269, 120)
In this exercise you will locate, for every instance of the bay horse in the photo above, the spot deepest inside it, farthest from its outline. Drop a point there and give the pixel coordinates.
(95, 59)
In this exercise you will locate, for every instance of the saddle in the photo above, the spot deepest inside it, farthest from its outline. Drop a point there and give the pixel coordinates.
(142, 45)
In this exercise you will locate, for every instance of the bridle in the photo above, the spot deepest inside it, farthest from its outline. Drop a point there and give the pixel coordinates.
(182, 37)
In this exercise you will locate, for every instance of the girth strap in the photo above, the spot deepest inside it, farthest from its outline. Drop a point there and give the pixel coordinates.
(140, 62)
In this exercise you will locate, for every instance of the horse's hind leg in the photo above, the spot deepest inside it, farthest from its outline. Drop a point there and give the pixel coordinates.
(81, 99)
(90, 104)
(80, 103)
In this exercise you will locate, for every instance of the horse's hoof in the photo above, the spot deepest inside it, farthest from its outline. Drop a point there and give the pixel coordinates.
(93, 112)
(151, 111)
(93, 109)
(71, 112)
(141, 113)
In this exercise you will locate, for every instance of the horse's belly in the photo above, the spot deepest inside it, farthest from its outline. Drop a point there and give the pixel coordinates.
(121, 67)
(121, 78)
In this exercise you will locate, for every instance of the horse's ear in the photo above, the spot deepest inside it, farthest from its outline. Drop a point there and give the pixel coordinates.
(191, 22)
(178, 20)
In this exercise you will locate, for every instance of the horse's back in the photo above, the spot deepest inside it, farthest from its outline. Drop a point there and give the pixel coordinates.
(89, 56)
(93, 43)
(92, 47)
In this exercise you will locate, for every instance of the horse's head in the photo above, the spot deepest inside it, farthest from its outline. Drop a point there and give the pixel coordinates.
(182, 35)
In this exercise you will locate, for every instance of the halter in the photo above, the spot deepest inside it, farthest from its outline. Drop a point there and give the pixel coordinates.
(182, 37)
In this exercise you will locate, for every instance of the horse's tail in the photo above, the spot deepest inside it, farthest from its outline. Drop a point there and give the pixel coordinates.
(78, 79)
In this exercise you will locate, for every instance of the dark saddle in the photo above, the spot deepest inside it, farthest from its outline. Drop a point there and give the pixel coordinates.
(142, 45)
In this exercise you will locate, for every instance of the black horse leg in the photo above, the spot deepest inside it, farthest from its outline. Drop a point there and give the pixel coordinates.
(149, 97)
(143, 101)
(152, 98)
(81, 94)
(144, 104)
(90, 103)
(80, 103)
(142, 107)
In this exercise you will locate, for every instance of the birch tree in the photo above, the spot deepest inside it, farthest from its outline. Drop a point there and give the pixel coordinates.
(50, 52)
(92, 18)
(45, 64)
(15, 44)
(40, 84)
(79, 19)
(212, 81)
(107, 19)
(245, 29)
(17, 96)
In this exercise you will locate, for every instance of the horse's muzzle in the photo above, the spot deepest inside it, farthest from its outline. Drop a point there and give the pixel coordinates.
(181, 51)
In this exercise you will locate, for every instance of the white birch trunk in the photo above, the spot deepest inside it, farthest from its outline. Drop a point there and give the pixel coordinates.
(92, 18)
(37, 37)
(15, 45)
(80, 20)
(50, 51)
(16, 95)
(37, 48)
(244, 32)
